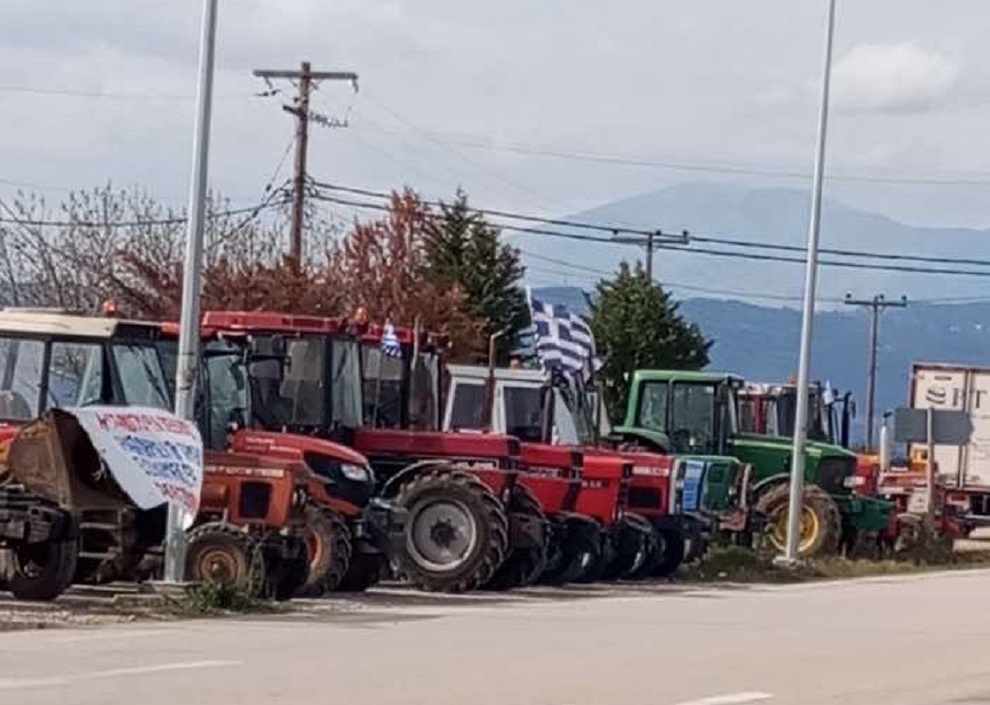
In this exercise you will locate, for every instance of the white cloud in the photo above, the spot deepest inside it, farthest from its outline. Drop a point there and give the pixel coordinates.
(899, 78)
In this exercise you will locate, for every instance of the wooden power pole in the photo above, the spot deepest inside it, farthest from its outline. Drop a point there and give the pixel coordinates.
(876, 305)
(651, 241)
(305, 78)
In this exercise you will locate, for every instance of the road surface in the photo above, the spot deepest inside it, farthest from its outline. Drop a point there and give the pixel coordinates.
(921, 640)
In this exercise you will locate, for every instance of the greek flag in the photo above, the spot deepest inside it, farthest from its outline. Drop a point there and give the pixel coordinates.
(391, 347)
(563, 340)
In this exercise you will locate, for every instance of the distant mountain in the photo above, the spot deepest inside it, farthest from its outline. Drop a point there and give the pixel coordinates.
(771, 216)
(761, 342)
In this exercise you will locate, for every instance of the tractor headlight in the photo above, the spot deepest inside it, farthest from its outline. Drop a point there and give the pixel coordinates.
(355, 473)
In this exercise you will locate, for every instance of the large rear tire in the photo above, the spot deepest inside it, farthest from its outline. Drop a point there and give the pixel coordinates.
(525, 563)
(43, 571)
(821, 521)
(328, 548)
(221, 554)
(457, 532)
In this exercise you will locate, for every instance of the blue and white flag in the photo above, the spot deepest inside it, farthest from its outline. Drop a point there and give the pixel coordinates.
(391, 347)
(563, 340)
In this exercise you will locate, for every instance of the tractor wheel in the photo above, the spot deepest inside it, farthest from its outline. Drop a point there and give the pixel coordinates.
(672, 550)
(821, 522)
(365, 570)
(328, 547)
(222, 554)
(579, 551)
(289, 576)
(525, 563)
(637, 549)
(457, 532)
(43, 571)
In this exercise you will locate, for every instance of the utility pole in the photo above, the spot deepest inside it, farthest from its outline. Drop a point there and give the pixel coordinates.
(305, 78)
(651, 241)
(877, 304)
(188, 359)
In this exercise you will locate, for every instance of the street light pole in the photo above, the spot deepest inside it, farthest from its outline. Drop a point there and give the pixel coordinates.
(188, 361)
(807, 320)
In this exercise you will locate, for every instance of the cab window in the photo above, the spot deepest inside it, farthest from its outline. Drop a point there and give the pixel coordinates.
(467, 405)
(75, 375)
(653, 406)
(20, 378)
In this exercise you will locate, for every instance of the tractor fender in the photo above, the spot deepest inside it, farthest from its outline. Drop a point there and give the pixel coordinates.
(391, 488)
(767, 483)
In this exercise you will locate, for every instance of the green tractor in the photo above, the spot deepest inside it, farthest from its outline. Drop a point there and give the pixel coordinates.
(697, 414)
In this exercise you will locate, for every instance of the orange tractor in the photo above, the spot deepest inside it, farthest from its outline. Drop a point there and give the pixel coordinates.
(64, 518)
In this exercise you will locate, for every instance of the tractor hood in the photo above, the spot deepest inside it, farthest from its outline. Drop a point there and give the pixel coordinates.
(658, 439)
(814, 449)
(291, 446)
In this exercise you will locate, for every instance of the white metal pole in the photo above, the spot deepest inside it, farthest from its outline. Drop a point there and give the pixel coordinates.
(807, 321)
(188, 362)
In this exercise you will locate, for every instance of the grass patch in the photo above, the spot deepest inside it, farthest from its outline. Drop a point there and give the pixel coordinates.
(735, 564)
(195, 600)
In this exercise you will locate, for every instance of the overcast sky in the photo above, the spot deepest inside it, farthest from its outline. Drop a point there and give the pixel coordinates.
(455, 92)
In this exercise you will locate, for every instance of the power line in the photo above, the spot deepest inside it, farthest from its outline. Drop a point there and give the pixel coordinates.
(38, 223)
(715, 168)
(114, 95)
(614, 230)
(748, 244)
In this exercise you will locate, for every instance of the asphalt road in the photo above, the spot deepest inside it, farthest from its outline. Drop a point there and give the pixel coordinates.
(904, 641)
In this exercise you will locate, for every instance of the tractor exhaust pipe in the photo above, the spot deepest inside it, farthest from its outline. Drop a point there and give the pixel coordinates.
(486, 417)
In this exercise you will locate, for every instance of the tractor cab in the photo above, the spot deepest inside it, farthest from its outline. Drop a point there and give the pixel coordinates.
(770, 409)
(51, 358)
(692, 413)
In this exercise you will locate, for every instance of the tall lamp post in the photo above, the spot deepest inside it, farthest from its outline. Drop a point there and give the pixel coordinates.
(188, 363)
(807, 320)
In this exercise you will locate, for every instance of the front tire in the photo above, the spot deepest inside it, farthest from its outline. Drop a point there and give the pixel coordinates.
(525, 563)
(221, 554)
(328, 548)
(43, 571)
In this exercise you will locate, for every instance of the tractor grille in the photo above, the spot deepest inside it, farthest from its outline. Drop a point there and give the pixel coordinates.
(833, 471)
(255, 497)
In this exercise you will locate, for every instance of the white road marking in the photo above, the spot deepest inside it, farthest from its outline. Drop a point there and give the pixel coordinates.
(731, 699)
(20, 683)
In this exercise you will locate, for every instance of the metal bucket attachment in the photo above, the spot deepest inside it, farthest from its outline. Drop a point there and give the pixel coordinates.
(53, 458)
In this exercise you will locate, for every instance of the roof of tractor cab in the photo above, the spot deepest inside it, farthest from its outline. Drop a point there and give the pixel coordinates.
(480, 373)
(691, 376)
(268, 322)
(64, 323)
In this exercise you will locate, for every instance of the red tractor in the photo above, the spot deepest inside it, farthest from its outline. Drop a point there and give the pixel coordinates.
(497, 539)
(348, 532)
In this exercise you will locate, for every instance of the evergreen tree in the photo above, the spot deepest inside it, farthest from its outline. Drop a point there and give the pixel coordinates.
(463, 249)
(637, 326)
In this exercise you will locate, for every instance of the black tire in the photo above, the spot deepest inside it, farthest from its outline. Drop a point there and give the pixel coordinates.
(43, 571)
(438, 556)
(365, 570)
(579, 551)
(823, 516)
(328, 550)
(672, 551)
(637, 549)
(222, 554)
(525, 563)
(289, 576)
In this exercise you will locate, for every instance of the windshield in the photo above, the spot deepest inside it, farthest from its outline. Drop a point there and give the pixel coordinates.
(20, 378)
(142, 377)
(653, 406)
(346, 392)
(383, 375)
(228, 392)
(693, 416)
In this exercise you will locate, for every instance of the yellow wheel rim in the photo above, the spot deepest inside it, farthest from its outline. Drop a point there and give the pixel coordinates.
(810, 529)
